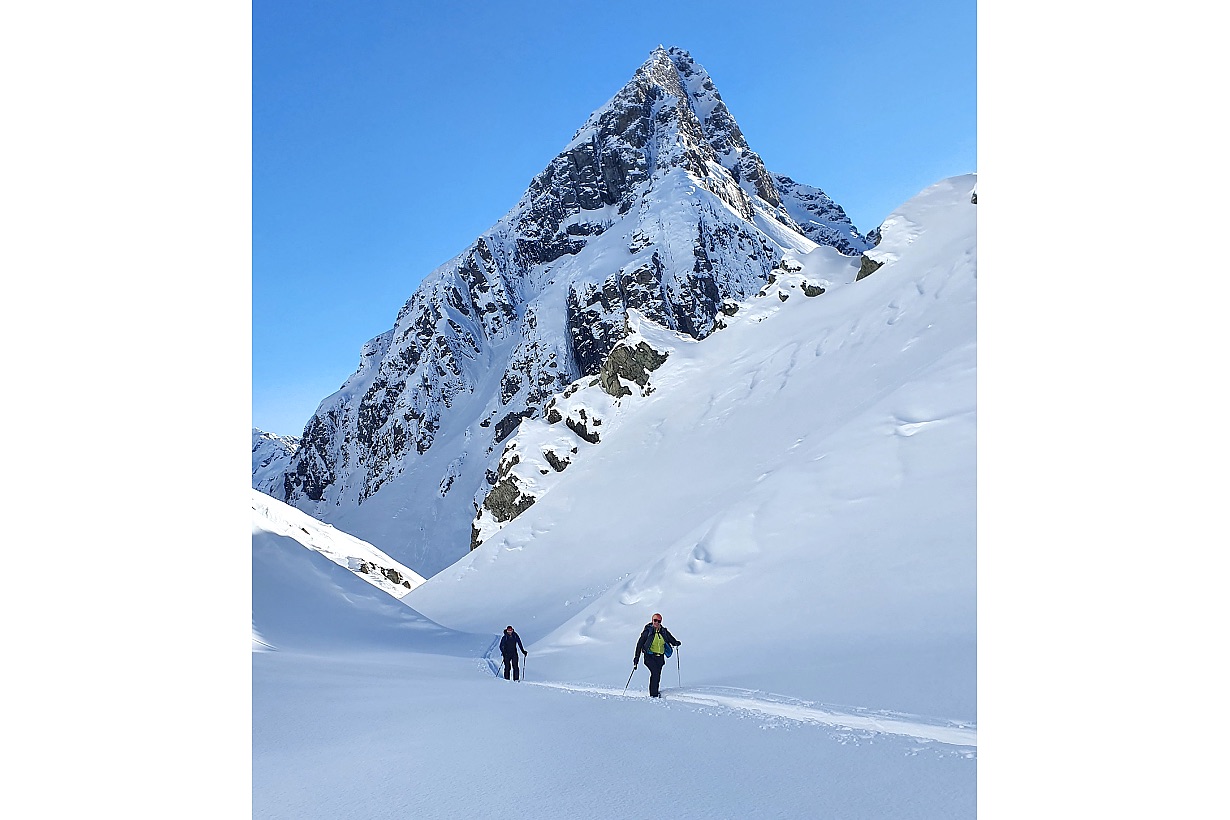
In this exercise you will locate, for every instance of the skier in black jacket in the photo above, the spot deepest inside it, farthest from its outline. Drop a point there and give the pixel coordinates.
(508, 648)
(653, 642)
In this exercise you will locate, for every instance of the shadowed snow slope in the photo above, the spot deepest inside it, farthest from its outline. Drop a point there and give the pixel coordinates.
(305, 596)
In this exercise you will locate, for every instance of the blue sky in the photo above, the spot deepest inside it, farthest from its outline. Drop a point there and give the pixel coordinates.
(387, 135)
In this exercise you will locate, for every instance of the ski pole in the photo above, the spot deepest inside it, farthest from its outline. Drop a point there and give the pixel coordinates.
(678, 668)
(630, 674)
(525, 663)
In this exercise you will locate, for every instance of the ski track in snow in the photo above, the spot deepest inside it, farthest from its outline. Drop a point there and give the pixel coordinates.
(948, 733)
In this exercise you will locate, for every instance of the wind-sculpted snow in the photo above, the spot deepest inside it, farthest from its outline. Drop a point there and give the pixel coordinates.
(657, 205)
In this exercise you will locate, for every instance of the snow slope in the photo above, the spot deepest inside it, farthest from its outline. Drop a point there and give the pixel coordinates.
(819, 451)
(795, 494)
(378, 569)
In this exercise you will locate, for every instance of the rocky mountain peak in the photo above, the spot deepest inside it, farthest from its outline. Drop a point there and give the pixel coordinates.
(669, 115)
(657, 205)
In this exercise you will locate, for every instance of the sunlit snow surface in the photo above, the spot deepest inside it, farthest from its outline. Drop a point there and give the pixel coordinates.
(796, 495)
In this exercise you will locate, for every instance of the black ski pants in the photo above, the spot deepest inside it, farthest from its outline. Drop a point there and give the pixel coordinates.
(654, 664)
(512, 661)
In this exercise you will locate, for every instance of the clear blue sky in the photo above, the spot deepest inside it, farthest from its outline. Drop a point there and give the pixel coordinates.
(388, 135)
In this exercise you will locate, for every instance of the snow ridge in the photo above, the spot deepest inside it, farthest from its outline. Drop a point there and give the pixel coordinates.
(361, 558)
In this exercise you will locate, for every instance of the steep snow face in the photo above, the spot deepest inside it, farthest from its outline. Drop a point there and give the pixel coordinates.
(656, 205)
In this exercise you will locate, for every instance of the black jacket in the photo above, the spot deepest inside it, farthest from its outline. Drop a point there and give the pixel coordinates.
(646, 636)
(509, 644)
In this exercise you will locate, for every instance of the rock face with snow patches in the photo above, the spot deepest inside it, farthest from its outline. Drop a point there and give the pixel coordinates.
(270, 455)
(656, 206)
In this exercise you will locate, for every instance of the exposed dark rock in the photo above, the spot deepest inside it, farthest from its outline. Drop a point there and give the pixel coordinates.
(391, 574)
(812, 290)
(506, 425)
(634, 364)
(581, 430)
(558, 464)
(506, 501)
(506, 464)
(510, 385)
(867, 267)
(639, 242)
(312, 472)
(584, 229)
(751, 169)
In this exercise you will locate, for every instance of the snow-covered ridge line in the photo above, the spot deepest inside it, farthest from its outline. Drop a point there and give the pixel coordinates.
(356, 555)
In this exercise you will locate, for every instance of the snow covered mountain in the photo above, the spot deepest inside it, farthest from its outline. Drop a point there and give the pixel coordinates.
(271, 454)
(657, 209)
(795, 493)
(815, 459)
